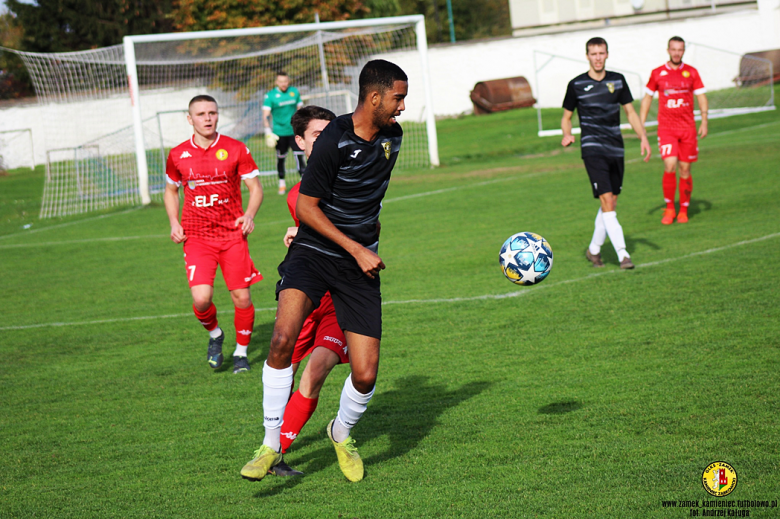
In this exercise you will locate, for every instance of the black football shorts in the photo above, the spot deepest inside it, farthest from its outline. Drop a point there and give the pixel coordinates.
(605, 173)
(356, 297)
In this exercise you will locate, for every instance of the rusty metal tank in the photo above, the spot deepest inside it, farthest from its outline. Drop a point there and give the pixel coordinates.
(498, 95)
(752, 72)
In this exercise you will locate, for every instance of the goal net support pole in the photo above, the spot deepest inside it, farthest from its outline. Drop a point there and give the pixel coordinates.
(138, 131)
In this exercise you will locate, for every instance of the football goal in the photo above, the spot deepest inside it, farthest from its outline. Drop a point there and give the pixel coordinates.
(736, 84)
(114, 113)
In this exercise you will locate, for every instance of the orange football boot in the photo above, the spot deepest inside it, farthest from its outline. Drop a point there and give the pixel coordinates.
(668, 218)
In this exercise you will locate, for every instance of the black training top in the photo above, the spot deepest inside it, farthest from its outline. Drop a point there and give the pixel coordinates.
(598, 107)
(350, 176)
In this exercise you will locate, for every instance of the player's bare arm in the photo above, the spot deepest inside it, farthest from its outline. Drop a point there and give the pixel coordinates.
(568, 138)
(309, 213)
(704, 109)
(171, 199)
(639, 129)
(247, 221)
(644, 108)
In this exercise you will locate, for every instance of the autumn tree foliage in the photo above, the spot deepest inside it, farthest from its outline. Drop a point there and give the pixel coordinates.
(204, 15)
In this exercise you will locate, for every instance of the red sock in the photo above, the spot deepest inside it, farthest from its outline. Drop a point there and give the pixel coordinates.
(670, 188)
(686, 186)
(298, 411)
(208, 318)
(244, 322)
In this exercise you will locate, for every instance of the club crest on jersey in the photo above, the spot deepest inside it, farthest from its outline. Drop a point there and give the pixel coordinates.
(611, 87)
(387, 145)
(685, 73)
(192, 184)
(222, 154)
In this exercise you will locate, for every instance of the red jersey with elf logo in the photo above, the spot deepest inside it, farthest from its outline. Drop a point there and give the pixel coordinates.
(211, 179)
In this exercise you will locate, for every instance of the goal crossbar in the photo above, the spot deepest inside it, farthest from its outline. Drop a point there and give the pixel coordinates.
(130, 42)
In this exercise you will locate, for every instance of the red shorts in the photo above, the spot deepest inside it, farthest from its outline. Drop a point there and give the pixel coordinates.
(201, 258)
(679, 142)
(321, 329)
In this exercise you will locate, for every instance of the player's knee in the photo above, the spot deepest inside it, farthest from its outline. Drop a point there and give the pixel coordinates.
(242, 300)
(201, 302)
(364, 382)
(281, 340)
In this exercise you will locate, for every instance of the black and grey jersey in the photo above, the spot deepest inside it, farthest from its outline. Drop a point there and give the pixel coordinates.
(598, 106)
(350, 177)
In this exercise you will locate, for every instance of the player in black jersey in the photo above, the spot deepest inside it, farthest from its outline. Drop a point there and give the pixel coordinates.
(336, 250)
(597, 95)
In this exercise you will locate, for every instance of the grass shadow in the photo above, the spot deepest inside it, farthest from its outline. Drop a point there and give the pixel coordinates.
(407, 415)
(695, 207)
(609, 256)
(261, 342)
(560, 407)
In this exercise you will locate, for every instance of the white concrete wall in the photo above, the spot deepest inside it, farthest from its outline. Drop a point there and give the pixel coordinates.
(454, 69)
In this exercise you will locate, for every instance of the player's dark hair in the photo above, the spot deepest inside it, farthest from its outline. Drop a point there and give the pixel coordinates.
(675, 38)
(301, 119)
(282, 73)
(378, 76)
(202, 97)
(596, 41)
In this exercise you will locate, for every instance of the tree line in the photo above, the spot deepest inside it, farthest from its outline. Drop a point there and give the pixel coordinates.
(74, 25)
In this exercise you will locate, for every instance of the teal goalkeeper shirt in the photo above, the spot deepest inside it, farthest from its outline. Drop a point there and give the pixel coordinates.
(283, 105)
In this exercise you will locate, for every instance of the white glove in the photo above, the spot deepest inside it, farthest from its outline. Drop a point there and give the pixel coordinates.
(270, 138)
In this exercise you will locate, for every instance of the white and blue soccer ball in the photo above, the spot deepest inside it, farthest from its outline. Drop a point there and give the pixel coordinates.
(526, 258)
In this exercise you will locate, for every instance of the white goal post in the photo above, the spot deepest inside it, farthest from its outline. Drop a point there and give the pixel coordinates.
(334, 78)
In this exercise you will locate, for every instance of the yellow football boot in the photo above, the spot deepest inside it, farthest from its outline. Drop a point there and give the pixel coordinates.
(265, 458)
(349, 459)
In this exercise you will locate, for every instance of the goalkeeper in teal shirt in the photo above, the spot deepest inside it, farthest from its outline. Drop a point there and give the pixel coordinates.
(278, 108)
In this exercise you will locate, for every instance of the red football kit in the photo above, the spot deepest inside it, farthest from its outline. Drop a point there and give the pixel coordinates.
(212, 203)
(676, 126)
(321, 327)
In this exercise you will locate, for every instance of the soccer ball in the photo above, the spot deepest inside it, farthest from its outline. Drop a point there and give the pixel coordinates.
(526, 258)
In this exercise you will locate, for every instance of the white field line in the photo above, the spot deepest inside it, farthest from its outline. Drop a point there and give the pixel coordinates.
(396, 199)
(468, 186)
(275, 222)
(520, 292)
(91, 240)
(745, 129)
(86, 220)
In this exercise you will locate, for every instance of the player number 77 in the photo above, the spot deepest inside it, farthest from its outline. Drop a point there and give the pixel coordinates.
(666, 149)
(192, 271)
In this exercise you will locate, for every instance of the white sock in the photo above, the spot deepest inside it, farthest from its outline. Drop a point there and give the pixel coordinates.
(216, 332)
(281, 183)
(599, 235)
(276, 391)
(351, 408)
(240, 351)
(615, 232)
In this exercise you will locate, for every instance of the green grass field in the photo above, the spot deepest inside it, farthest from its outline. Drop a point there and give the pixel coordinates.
(598, 393)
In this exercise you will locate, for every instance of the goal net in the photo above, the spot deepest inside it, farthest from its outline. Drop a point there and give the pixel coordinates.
(736, 84)
(114, 113)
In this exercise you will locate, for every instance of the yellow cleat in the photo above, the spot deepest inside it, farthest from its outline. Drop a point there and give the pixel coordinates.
(349, 459)
(265, 458)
